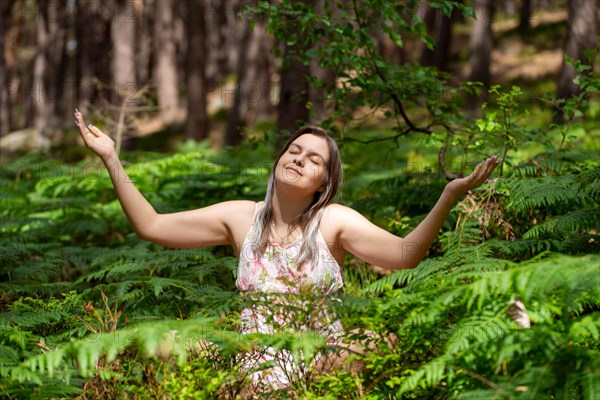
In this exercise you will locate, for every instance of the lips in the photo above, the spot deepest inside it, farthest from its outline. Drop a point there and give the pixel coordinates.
(293, 169)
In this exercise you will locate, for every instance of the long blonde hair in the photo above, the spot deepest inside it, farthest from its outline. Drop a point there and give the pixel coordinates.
(309, 220)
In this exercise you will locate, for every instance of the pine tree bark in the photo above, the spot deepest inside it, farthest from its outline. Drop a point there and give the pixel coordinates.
(293, 95)
(581, 35)
(7, 57)
(246, 71)
(4, 107)
(123, 26)
(145, 35)
(217, 67)
(439, 27)
(47, 86)
(321, 106)
(294, 88)
(165, 75)
(481, 44)
(197, 118)
(525, 16)
(92, 31)
(262, 104)
(252, 90)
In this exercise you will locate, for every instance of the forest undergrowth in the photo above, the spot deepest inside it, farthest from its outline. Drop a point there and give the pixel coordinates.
(505, 306)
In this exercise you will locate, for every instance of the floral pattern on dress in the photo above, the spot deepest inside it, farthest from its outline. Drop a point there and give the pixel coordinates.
(285, 286)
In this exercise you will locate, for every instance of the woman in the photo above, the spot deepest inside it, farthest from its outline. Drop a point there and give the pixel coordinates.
(293, 242)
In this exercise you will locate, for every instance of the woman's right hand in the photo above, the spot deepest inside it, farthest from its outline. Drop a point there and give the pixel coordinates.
(94, 138)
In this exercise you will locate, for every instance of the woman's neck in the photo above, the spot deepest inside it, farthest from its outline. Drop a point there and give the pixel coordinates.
(287, 207)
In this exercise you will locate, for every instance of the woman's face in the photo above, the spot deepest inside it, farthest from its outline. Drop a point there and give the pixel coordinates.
(303, 165)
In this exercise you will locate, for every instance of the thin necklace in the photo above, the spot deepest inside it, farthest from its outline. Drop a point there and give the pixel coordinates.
(283, 238)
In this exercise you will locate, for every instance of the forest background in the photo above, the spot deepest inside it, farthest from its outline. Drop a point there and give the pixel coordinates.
(199, 95)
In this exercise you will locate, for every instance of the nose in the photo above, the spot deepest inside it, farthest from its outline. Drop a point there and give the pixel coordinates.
(299, 159)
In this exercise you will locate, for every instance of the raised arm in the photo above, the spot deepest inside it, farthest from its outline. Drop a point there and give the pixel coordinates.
(367, 241)
(206, 226)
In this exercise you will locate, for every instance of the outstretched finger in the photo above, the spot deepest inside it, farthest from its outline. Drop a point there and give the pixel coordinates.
(80, 122)
(79, 118)
(478, 170)
(493, 163)
(482, 171)
(97, 132)
(490, 166)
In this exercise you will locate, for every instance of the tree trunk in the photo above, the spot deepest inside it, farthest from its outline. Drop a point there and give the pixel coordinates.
(219, 28)
(63, 67)
(197, 118)
(525, 16)
(92, 30)
(166, 62)
(387, 48)
(180, 39)
(321, 106)
(123, 27)
(7, 61)
(245, 72)
(580, 36)
(293, 95)
(481, 44)
(439, 27)
(88, 34)
(50, 42)
(4, 107)
(260, 93)
(145, 35)
(252, 90)
(294, 88)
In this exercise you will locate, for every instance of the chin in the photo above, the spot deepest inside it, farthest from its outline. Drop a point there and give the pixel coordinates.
(299, 185)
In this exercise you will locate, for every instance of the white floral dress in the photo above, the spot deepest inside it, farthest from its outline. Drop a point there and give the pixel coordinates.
(293, 288)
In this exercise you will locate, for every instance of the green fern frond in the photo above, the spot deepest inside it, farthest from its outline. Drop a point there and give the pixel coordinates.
(400, 278)
(479, 395)
(523, 249)
(145, 337)
(545, 192)
(430, 373)
(590, 382)
(567, 224)
(586, 328)
(478, 330)
(544, 164)
(575, 275)
(588, 178)
(159, 284)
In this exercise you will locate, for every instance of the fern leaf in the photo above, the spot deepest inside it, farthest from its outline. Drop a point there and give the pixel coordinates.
(432, 373)
(400, 277)
(546, 192)
(590, 382)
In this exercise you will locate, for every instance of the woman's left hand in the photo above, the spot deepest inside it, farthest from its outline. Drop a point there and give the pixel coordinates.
(480, 174)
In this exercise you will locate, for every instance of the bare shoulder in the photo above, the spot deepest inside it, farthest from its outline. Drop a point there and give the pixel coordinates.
(236, 211)
(237, 216)
(338, 211)
(342, 221)
(238, 207)
(335, 217)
